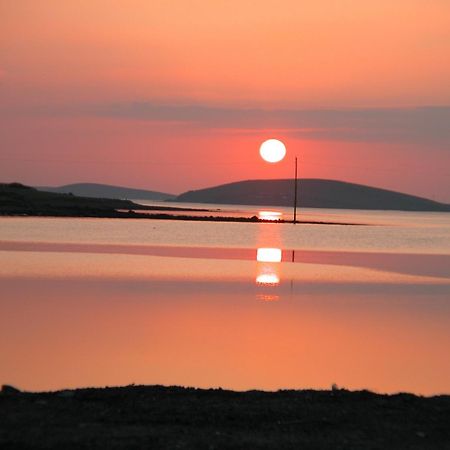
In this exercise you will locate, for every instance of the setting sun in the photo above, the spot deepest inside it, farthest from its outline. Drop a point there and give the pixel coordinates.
(272, 150)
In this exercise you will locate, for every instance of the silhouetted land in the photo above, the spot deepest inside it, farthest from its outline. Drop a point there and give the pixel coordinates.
(107, 191)
(156, 417)
(19, 200)
(312, 193)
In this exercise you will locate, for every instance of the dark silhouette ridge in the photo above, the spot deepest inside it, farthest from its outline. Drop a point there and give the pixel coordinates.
(313, 193)
(106, 191)
(160, 417)
(18, 199)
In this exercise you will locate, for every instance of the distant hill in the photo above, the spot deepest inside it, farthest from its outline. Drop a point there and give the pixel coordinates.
(106, 191)
(313, 193)
(18, 199)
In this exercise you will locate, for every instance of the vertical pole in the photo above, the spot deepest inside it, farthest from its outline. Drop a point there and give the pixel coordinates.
(295, 193)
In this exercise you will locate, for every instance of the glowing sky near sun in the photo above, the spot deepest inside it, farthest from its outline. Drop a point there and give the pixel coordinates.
(179, 95)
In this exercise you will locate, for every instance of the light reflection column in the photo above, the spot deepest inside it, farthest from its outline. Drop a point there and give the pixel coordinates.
(268, 271)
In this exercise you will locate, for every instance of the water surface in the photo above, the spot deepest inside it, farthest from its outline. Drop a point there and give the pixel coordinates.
(94, 302)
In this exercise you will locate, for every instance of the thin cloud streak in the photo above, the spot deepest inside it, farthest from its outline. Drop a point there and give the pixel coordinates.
(426, 125)
(416, 125)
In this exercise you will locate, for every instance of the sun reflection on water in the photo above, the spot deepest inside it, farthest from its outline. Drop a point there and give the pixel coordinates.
(270, 215)
(268, 272)
(268, 278)
(268, 255)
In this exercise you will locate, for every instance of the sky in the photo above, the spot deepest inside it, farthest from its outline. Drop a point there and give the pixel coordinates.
(178, 95)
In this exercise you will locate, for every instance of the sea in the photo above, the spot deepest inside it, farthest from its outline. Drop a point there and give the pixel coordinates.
(360, 300)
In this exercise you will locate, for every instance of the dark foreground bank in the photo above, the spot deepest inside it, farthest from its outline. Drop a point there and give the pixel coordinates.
(136, 417)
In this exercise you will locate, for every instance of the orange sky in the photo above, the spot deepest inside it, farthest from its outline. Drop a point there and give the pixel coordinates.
(142, 85)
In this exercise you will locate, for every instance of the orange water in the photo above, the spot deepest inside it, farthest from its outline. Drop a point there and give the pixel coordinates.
(90, 302)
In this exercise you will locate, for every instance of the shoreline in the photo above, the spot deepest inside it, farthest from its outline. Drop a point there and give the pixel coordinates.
(190, 418)
(163, 216)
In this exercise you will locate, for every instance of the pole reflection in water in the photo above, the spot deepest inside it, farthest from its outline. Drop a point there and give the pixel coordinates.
(268, 272)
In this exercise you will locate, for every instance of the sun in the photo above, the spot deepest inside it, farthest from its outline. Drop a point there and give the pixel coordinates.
(272, 150)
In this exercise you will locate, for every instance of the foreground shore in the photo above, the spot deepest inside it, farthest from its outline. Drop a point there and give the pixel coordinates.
(186, 418)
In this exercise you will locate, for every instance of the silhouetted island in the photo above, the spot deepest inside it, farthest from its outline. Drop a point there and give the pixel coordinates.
(157, 417)
(18, 199)
(107, 191)
(312, 193)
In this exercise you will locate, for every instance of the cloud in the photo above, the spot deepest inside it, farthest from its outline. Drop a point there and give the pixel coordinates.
(427, 125)
(419, 125)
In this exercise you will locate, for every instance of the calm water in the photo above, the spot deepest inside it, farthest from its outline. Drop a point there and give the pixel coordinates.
(94, 302)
